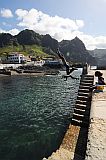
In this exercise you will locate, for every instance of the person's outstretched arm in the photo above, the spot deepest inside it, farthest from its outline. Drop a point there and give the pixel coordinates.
(61, 57)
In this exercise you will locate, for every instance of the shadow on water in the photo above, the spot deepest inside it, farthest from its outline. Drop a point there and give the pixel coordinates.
(34, 115)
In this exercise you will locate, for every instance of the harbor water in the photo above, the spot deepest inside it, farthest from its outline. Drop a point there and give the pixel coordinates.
(34, 114)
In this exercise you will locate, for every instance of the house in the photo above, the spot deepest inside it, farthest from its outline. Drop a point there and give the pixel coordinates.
(15, 57)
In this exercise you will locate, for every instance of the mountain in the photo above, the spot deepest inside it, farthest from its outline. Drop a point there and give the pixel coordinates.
(100, 55)
(5, 39)
(49, 42)
(73, 50)
(28, 37)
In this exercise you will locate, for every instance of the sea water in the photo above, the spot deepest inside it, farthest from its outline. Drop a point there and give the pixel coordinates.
(34, 114)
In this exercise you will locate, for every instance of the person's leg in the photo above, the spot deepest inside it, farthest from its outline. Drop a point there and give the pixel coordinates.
(67, 69)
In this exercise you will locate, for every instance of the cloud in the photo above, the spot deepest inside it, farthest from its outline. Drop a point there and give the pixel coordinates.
(93, 42)
(58, 27)
(12, 31)
(21, 13)
(2, 31)
(43, 23)
(6, 13)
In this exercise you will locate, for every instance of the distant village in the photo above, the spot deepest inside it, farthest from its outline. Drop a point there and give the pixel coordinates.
(29, 64)
(17, 58)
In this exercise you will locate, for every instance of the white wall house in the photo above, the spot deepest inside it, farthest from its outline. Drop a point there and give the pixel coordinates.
(16, 58)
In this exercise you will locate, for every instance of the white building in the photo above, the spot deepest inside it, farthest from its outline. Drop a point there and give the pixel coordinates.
(16, 58)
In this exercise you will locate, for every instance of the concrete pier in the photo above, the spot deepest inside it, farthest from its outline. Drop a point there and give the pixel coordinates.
(96, 144)
(85, 138)
(74, 144)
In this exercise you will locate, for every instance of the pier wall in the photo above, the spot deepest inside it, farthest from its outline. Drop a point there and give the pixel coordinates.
(96, 144)
(5, 72)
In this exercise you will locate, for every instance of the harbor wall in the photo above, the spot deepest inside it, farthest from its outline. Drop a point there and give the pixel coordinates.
(74, 142)
(96, 144)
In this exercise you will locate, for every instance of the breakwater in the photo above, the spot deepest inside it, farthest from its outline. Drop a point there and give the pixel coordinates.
(75, 140)
(5, 72)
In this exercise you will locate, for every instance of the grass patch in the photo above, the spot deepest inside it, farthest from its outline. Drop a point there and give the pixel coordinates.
(27, 50)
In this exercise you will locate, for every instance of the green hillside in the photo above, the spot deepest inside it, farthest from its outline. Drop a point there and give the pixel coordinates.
(27, 50)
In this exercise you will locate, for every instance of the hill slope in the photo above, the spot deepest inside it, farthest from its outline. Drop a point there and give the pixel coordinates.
(28, 41)
(75, 51)
(100, 55)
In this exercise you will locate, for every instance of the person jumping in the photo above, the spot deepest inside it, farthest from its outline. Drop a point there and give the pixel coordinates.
(68, 70)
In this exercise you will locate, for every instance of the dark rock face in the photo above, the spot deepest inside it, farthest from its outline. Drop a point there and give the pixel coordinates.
(49, 42)
(5, 39)
(28, 37)
(73, 50)
(100, 55)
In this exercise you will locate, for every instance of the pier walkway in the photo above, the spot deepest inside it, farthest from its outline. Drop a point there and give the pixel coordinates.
(96, 145)
(85, 138)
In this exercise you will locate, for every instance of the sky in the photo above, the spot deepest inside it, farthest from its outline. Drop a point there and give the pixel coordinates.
(62, 19)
